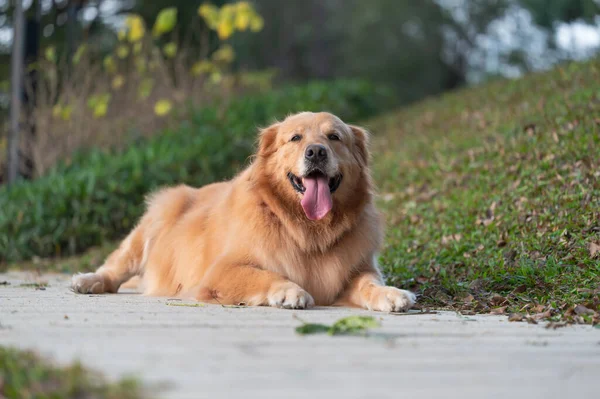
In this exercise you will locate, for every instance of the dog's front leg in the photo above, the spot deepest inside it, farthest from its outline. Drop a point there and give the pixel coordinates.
(252, 286)
(368, 291)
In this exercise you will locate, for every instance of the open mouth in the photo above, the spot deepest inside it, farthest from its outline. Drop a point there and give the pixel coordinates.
(298, 182)
(316, 189)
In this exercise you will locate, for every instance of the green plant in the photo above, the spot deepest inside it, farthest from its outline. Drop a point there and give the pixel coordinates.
(24, 374)
(351, 325)
(147, 78)
(98, 195)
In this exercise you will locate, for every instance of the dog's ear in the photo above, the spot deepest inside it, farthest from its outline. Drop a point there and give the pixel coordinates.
(361, 143)
(266, 140)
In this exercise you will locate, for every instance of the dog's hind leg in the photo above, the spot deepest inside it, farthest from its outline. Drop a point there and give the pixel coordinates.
(124, 263)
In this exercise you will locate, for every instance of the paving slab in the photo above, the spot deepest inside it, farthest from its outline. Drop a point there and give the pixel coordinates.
(221, 352)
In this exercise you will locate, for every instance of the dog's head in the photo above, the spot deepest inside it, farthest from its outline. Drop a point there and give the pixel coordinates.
(315, 160)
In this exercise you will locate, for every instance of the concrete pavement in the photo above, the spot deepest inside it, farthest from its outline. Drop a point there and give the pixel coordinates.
(217, 352)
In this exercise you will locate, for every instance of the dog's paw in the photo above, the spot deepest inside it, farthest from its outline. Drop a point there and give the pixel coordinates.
(391, 299)
(289, 296)
(87, 283)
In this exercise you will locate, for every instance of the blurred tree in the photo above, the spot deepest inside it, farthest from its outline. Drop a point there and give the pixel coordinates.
(418, 47)
(189, 30)
(547, 13)
(401, 42)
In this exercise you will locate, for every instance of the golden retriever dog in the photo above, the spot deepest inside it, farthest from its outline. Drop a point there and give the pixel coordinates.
(297, 228)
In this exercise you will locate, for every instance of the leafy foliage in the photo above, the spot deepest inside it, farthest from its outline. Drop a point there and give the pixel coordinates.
(351, 325)
(547, 13)
(99, 195)
(26, 375)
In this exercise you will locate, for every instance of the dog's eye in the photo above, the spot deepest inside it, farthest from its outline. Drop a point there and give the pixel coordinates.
(296, 137)
(333, 137)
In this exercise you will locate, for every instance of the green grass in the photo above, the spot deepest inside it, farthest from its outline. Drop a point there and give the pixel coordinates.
(24, 374)
(87, 261)
(492, 194)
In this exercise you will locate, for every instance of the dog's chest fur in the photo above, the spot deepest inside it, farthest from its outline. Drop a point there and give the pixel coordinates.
(323, 272)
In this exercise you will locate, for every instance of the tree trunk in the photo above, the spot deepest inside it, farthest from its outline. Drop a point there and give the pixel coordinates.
(16, 93)
(30, 89)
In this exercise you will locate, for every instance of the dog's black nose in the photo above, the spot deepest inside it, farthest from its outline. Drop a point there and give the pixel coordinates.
(316, 153)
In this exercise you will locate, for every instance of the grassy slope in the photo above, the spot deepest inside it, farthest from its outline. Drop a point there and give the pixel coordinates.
(492, 194)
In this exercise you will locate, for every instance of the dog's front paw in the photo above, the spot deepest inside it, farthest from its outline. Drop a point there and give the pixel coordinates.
(289, 296)
(87, 283)
(390, 299)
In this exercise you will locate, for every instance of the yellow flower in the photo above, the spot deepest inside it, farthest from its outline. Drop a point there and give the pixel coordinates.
(257, 23)
(79, 53)
(122, 51)
(202, 67)
(99, 104)
(135, 27)
(165, 21)
(50, 54)
(224, 54)
(170, 50)
(109, 64)
(210, 14)
(216, 77)
(100, 110)
(225, 29)
(56, 110)
(162, 107)
(66, 113)
(118, 82)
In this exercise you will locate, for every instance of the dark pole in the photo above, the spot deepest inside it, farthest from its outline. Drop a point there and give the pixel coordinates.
(16, 92)
(32, 49)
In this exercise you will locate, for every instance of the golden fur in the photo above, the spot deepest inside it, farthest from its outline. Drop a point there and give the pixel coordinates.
(248, 240)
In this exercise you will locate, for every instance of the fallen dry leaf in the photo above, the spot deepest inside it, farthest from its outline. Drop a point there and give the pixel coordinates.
(501, 310)
(414, 219)
(582, 310)
(538, 308)
(529, 129)
(497, 300)
(449, 238)
(520, 289)
(542, 316)
(516, 317)
(553, 325)
(501, 243)
(387, 197)
(489, 215)
(530, 320)
(476, 285)
(594, 249)
(422, 279)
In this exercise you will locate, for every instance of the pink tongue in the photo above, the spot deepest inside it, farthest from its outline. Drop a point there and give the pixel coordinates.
(317, 197)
